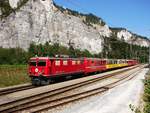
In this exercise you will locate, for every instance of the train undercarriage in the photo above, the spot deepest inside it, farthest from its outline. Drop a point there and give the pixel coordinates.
(40, 80)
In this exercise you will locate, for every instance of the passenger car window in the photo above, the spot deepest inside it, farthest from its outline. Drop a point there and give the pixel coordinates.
(65, 62)
(78, 62)
(73, 62)
(57, 62)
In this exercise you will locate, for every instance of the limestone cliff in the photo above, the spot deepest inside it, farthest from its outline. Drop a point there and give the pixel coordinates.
(40, 21)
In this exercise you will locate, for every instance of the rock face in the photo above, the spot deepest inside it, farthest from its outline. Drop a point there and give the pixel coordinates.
(132, 38)
(40, 21)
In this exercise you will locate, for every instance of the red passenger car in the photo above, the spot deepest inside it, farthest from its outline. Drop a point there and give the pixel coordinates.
(132, 62)
(94, 65)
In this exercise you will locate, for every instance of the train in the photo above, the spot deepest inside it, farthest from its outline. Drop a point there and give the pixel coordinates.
(43, 69)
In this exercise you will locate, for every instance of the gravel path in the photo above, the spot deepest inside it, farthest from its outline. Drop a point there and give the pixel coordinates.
(116, 100)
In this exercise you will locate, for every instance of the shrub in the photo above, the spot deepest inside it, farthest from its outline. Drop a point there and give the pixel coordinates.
(146, 95)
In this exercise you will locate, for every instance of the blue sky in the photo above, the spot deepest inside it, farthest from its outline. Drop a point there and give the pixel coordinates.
(131, 14)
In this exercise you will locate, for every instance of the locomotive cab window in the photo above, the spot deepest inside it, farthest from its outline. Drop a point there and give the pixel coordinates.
(41, 63)
(32, 63)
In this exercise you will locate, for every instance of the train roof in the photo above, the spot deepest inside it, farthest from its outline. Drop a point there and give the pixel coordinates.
(34, 58)
(81, 58)
(45, 58)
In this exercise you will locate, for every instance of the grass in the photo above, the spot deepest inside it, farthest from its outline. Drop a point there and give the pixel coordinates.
(13, 75)
(146, 96)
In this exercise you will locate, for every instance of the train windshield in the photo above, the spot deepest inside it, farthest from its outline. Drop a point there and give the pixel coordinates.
(41, 63)
(32, 63)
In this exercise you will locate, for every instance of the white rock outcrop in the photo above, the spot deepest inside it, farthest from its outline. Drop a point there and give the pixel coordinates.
(14, 3)
(104, 31)
(124, 34)
(132, 39)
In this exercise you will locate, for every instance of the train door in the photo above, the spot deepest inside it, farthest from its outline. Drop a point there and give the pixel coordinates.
(51, 68)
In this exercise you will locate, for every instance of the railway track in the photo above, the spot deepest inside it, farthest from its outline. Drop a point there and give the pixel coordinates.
(35, 101)
(15, 89)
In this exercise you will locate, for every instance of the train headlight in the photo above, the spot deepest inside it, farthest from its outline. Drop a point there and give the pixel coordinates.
(36, 70)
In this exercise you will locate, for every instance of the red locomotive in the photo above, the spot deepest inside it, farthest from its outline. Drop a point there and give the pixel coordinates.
(43, 69)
